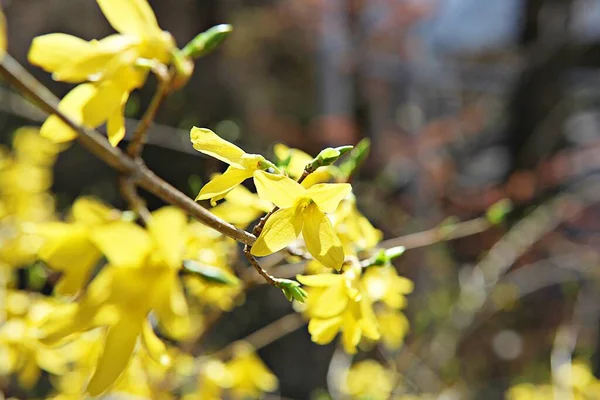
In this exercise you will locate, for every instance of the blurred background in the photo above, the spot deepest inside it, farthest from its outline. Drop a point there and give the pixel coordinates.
(466, 102)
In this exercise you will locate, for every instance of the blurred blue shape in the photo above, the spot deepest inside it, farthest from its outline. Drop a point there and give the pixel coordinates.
(471, 25)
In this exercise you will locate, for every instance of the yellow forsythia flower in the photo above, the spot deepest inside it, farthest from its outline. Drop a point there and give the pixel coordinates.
(142, 277)
(109, 65)
(369, 380)
(301, 211)
(69, 247)
(213, 378)
(241, 164)
(338, 302)
(250, 377)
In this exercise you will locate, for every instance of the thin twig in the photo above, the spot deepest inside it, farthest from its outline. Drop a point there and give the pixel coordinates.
(439, 234)
(136, 203)
(265, 335)
(24, 82)
(135, 147)
(255, 264)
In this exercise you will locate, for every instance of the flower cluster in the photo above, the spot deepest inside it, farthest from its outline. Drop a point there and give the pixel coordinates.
(101, 300)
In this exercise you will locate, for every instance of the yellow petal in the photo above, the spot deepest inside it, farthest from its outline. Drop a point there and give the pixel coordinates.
(68, 249)
(328, 195)
(168, 230)
(53, 51)
(107, 99)
(278, 189)
(100, 58)
(321, 280)
(237, 215)
(123, 243)
(323, 331)
(209, 143)
(321, 240)
(133, 17)
(90, 211)
(171, 307)
(222, 184)
(281, 229)
(156, 347)
(368, 320)
(351, 333)
(72, 105)
(115, 126)
(118, 350)
(332, 302)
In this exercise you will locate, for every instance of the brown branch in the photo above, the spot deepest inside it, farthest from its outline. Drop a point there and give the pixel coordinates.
(24, 82)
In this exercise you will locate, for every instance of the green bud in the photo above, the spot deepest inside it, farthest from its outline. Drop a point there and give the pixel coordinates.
(356, 157)
(210, 274)
(394, 252)
(292, 290)
(497, 212)
(327, 157)
(207, 41)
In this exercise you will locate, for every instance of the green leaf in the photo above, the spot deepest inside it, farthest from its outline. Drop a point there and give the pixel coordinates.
(211, 274)
(497, 212)
(292, 290)
(207, 41)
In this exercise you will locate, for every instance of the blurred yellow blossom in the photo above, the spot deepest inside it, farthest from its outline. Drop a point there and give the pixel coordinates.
(354, 229)
(20, 351)
(339, 303)
(141, 262)
(69, 248)
(241, 207)
(25, 178)
(109, 65)
(250, 377)
(303, 211)
(574, 380)
(369, 380)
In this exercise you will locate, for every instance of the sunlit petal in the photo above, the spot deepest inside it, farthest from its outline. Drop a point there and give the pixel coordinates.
(118, 350)
(209, 143)
(321, 280)
(123, 243)
(332, 302)
(168, 230)
(106, 100)
(278, 189)
(281, 229)
(156, 347)
(72, 105)
(134, 17)
(328, 195)
(54, 50)
(321, 240)
(324, 330)
(222, 184)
